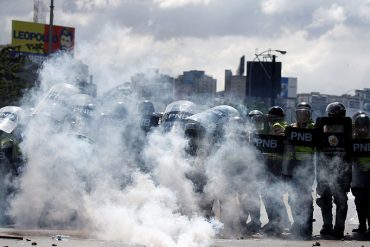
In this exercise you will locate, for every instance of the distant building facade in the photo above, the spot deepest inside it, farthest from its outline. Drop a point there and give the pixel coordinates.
(353, 103)
(154, 86)
(288, 97)
(235, 87)
(195, 85)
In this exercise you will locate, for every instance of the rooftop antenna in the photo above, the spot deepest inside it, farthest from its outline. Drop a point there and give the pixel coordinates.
(51, 26)
(39, 11)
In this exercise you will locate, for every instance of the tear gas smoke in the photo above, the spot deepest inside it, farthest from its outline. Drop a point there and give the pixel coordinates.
(120, 183)
(233, 172)
(96, 183)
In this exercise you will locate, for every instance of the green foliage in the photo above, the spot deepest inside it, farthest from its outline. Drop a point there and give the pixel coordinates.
(17, 75)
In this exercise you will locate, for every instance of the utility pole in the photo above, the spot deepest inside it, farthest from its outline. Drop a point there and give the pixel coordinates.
(51, 27)
(273, 91)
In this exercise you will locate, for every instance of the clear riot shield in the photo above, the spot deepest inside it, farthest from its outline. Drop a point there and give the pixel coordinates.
(120, 93)
(207, 124)
(212, 119)
(176, 113)
(81, 115)
(53, 104)
(9, 118)
(113, 114)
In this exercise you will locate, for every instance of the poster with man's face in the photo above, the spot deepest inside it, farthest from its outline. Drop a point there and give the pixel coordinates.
(63, 38)
(33, 38)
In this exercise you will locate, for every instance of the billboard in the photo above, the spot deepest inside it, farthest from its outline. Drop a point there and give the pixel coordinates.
(33, 38)
(263, 79)
(288, 87)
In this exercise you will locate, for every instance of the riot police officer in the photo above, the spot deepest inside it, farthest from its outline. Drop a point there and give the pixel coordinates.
(333, 170)
(299, 170)
(276, 120)
(148, 119)
(206, 131)
(256, 119)
(173, 118)
(251, 204)
(10, 137)
(361, 173)
(10, 155)
(272, 193)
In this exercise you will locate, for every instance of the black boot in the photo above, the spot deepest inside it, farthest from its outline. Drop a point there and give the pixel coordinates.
(338, 232)
(272, 229)
(361, 229)
(252, 228)
(326, 230)
(367, 234)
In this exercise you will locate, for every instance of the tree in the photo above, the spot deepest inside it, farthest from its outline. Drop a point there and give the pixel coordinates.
(17, 75)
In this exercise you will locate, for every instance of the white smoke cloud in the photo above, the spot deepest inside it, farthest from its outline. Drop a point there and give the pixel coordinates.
(322, 17)
(98, 185)
(97, 4)
(233, 172)
(179, 3)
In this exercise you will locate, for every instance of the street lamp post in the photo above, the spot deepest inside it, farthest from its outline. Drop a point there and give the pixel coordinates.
(265, 55)
(51, 27)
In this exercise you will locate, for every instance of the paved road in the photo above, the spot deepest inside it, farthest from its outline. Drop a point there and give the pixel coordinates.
(78, 239)
(76, 242)
(75, 238)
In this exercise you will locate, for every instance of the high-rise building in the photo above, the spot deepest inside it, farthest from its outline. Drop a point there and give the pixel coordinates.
(288, 97)
(195, 85)
(235, 87)
(153, 86)
(353, 103)
(264, 81)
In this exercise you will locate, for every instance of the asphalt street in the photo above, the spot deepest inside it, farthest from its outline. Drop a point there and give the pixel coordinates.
(13, 237)
(50, 238)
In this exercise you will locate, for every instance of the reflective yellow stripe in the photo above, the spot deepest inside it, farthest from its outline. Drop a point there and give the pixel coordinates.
(272, 156)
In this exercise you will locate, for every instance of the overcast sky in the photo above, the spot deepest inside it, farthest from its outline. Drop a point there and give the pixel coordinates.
(327, 42)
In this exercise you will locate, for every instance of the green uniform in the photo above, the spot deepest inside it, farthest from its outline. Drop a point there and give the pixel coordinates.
(360, 188)
(272, 194)
(299, 170)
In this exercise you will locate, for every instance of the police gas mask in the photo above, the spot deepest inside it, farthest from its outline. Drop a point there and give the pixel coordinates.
(258, 122)
(362, 125)
(272, 119)
(275, 114)
(303, 115)
(195, 134)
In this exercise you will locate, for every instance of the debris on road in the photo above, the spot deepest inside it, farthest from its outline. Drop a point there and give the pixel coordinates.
(61, 237)
(11, 237)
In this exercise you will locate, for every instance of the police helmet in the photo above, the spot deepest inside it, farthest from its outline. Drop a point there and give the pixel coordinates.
(359, 112)
(237, 120)
(335, 109)
(303, 106)
(276, 111)
(146, 107)
(362, 123)
(255, 117)
(120, 110)
(254, 113)
(303, 112)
